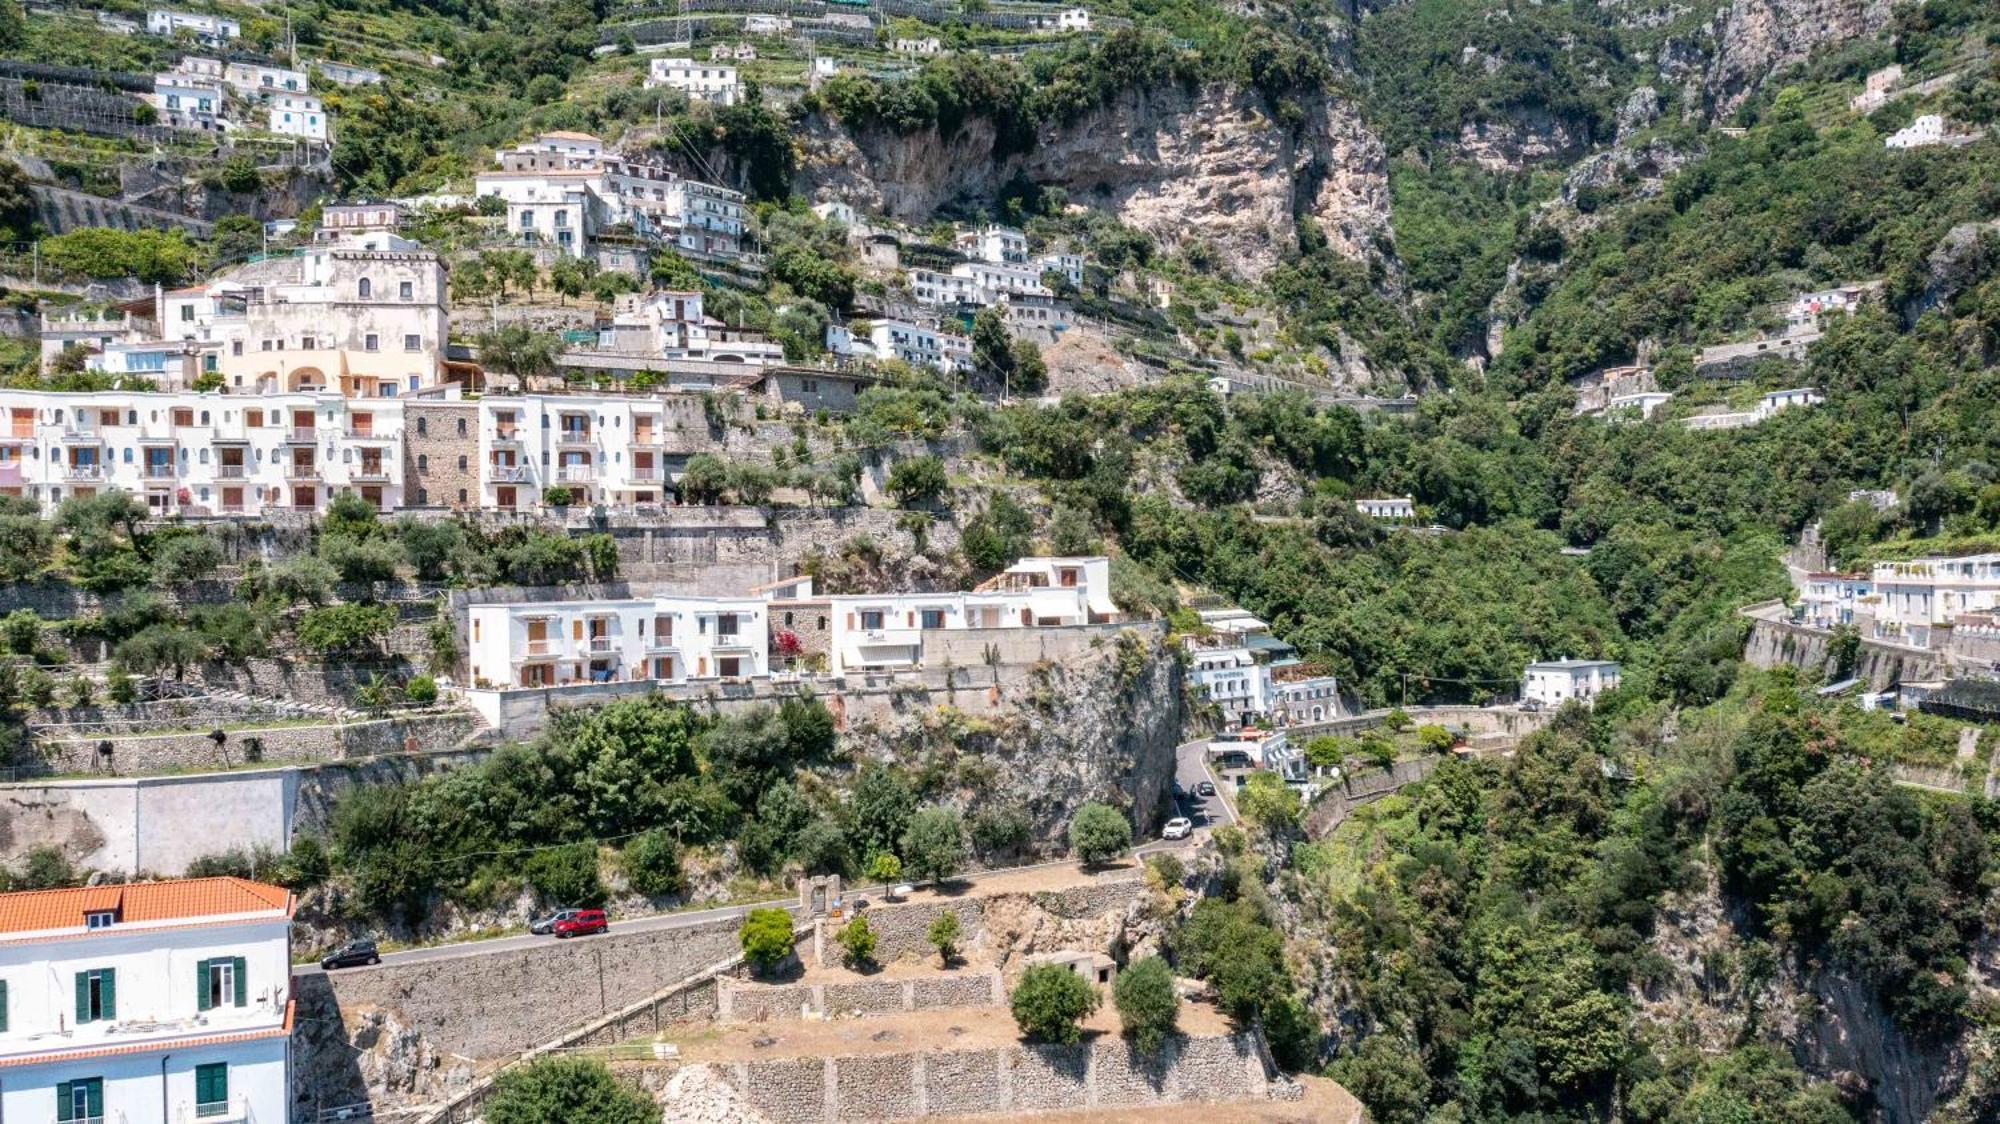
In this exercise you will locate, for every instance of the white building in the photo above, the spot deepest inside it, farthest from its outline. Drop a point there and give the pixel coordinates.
(671, 324)
(1387, 507)
(1912, 602)
(346, 74)
(1927, 129)
(1232, 664)
(663, 639)
(889, 631)
(148, 1003)
(1787, 399)
(184, 453)
(1254, 748)
(298, 115)
(926, 46)
(1643, 404)
(1063, 262)
(997, 244)
(214, 30)
(1073, 19)
(1304, 699)
(1555, 682)
(740, 52)
(258, 80)
(700, 81)
(919, 346)
(766, 25)
(565, 189)
(1828, 600)
(186, 101)
(1805, 309)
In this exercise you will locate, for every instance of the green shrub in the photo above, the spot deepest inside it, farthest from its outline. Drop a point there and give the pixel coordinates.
(652, 864)
(766, 937)
(421, 689)
(857, 942)
(566, 874)
(350, 628)
(1099, 833)
(943, 936)
(1148, 1006)
(1051, 1002)
(551, 1089)
(934, 844)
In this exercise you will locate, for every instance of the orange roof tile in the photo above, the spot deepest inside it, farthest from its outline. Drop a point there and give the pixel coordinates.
(175, 900)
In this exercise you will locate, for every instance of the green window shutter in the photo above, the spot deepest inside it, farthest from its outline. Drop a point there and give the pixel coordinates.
(242, 983)
(211, 1083)
(62, 1101)
(3, 1006)
(82, 1000)
(109, 991)
(94, 1094)
(201, 1002)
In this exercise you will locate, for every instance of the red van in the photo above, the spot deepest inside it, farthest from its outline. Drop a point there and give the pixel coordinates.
(582, 923)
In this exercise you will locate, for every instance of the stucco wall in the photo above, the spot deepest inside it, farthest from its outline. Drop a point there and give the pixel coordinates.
(155, 825)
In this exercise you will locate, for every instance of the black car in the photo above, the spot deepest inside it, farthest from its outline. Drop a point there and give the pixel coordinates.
(351, 954)
(1205, 788)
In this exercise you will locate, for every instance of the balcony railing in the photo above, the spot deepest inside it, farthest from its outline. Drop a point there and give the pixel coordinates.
(303, 433)
(305, 471)
(231, 471)
(369, 434)
(576, 473)
(84, 471)
(574, 437)
(508, 436)
(74, 432)
(600, 644)
(375, 471)
(541, 648)
(509, 473)
(159, 472)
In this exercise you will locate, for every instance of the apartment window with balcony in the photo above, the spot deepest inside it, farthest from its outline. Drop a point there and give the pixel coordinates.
(211, 1089)
(80, 1101)
(223, 983)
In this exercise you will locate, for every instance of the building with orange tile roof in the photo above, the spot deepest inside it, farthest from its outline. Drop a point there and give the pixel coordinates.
(146, 1003)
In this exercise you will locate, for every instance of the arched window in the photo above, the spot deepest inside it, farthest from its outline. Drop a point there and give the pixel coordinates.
(367, 288)
(204, 417)
(423, 463)
(461, 427)
(423, 426)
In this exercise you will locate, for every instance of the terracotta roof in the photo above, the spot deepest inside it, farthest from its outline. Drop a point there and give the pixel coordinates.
(177, 900)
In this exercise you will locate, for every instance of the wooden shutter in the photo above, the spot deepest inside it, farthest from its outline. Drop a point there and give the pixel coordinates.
(108, 991)
(62, 1101)
(82, 1000)
(3, 1006)
(242, 982)
(201, 1002)
(211, 1083)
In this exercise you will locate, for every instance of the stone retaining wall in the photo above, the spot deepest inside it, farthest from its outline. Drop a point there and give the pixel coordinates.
(132, 755)
(744, 1001)
(1107, 1072)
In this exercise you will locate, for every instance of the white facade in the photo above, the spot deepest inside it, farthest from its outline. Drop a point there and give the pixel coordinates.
(1910, 600)
(1074, 19)
(1555, 682)
(1303, 701)
(1000, 245)
(564, 189)
(926, 46)
(700, 81)
(150, 1003)
(1643, 403)
(1068, 264)
(1925, 130)
(256, 79)
(1828, 600)
(185, 101)
(201, 454)
(1786, 399)
(670, 324)
(298, 115)
(887, 631)
(767, 25)
(209, 29)
(920, 347)
(1230, 677)
(1387, 507)
(663, 639)
(346, 74)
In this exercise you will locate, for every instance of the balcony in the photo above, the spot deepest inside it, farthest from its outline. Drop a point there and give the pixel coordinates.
(158, 472)
(576, 473)
(83, 434)
(652, 474)
(369, 434)
(508, 436)
(509, 473)
(302, 435)
(302, 470)
(372, 471)
(231, 471)
(575, 438)
(600, 644)
(662, 644)
(539, 649)
(84, 471)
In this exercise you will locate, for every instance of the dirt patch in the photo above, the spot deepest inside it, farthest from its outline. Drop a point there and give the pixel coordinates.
(1324, 1102)
(958, 1028)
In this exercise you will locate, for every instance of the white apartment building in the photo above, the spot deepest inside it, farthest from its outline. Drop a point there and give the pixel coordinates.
(615, 449)
(565, 189)
(924, 47)
(148, 1003)
(1642, 404)
(1828, 600)
(187, 101)
(663, 639)
(347, 74)
(1914, 601)
(1786, 399)
(1232, 664)
(888, 631)
(977, 282)
(1304, 700)
(999, 245)
(920, 347)
(671, 324)
(214, 30)
(362, 314)
(1927, 129)
(184, 453)
(1068, 264)
(299, 115)
(1387, 507)
(1073, 19)
(700, 81)
(258, 80)
(1555, 682)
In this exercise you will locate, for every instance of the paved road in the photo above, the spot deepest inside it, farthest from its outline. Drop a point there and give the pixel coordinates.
(1190, 769)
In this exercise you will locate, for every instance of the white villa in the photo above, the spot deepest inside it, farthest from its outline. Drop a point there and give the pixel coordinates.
(1387, 507)
(1555, 682)
(700, 81)
(213, 30)
(895, 631)
(1828, 599)
(1914, 602)
(1927, 129)
(147, 1003)
(565, 189)
(665, 639)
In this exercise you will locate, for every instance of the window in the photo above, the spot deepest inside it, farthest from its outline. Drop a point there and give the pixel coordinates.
(933, 618)
(3, 1006)
(96, 995)
(211, 1089)
(461, 427)
(423, 426)
(371, 342)
(413, 343)
(81, 1100)
(367, 288)
(406, 291)
(461, 464)
(423, 463)
(101, 919)
(221, 983)
(871, 620)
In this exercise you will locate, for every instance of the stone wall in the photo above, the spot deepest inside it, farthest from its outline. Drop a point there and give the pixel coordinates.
(1103, 1073)
(441, 454)
(1775, 642)
(136, 755)
(747, 1001)
(1335, 803)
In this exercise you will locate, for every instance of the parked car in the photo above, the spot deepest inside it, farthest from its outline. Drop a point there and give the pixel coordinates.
(351, 954)
(1205, 789)
(543, 926)
(1177, 828)
(582, 923)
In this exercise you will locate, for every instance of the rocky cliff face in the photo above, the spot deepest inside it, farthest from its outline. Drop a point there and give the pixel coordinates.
(1185, 164)
(1749, 40)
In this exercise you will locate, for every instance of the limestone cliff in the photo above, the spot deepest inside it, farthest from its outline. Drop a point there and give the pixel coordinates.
(1186, 164)
(1750, 40)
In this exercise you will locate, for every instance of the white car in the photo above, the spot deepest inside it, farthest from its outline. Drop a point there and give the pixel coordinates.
(1177, 828)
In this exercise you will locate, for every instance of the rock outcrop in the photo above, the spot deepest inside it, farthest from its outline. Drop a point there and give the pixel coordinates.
(1751, 40)
(1186, 164)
